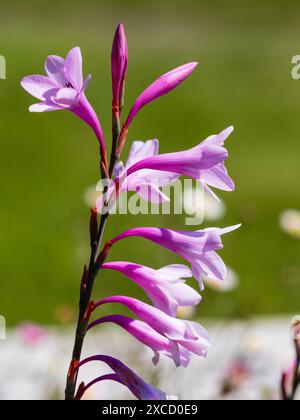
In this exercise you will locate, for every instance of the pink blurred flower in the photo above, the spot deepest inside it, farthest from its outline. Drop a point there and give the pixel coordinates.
(31, 334)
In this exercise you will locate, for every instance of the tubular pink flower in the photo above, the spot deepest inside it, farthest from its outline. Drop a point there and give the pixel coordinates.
(63, 88)
(198, 247)
(148, 336)
(204, 162)
(190, 335)
(119, 63)
(140, 389)
(160, 87)
(146, 183)
(165, 287)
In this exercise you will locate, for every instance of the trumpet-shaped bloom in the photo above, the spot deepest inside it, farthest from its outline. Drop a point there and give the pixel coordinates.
(165, 287)
(119, 63)
(204, 162)
(146, 183)
(63, 88)
(160, 87)
(125, 376)
(190, 335)
(196, 247)
(148, 336)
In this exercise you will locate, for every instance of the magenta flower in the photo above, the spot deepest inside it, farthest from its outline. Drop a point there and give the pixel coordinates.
(198, 247)
(119, 63)
(165, 287)
(148, 336)
(63, 88)
(160, 87)
(188, 334)
(204, 162)
(125, 376)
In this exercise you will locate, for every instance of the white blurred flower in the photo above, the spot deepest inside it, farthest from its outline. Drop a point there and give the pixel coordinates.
(213, 209)
(230, 283)
(186, 312)
(91, 196)
(197, 201)
(290, 222)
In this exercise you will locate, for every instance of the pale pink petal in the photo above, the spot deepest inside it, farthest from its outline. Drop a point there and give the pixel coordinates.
(151, 193)
(175, 271)
(218, 177)
(39, 86)
(141, 150)
(219, 139)
(55, 69)
(74, 68)
(212, 265)
(66, 97)
(44, 107)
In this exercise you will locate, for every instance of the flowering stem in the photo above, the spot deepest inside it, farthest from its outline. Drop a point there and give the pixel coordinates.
(96, 261)
(85, 304)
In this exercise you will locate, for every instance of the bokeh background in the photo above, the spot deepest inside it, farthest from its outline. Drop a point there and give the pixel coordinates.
(49, 161)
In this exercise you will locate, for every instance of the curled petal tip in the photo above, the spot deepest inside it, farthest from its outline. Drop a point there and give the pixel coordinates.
(231, 228)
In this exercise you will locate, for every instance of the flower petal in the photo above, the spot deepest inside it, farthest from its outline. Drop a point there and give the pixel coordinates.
(152, 193)
(66, 97)
(210, 264)
(44, 107)
(55, 69)
(175, 271)
(141, 150)
(218, 177)
(40, 86)
(73, 68)
(219, 140)
(140, 389)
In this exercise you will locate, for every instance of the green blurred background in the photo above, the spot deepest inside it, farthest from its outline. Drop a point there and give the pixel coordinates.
(48, 161)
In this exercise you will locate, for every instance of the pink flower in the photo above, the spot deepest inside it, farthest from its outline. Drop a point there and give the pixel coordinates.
(146, 171)
(204, 162)
(146, 183)
(148, 336)
(196, 247)
(119, 63)
(31, 334)
(187, 334)
(63, 88)
(125, 376)
(160, 87)
(165, 287)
